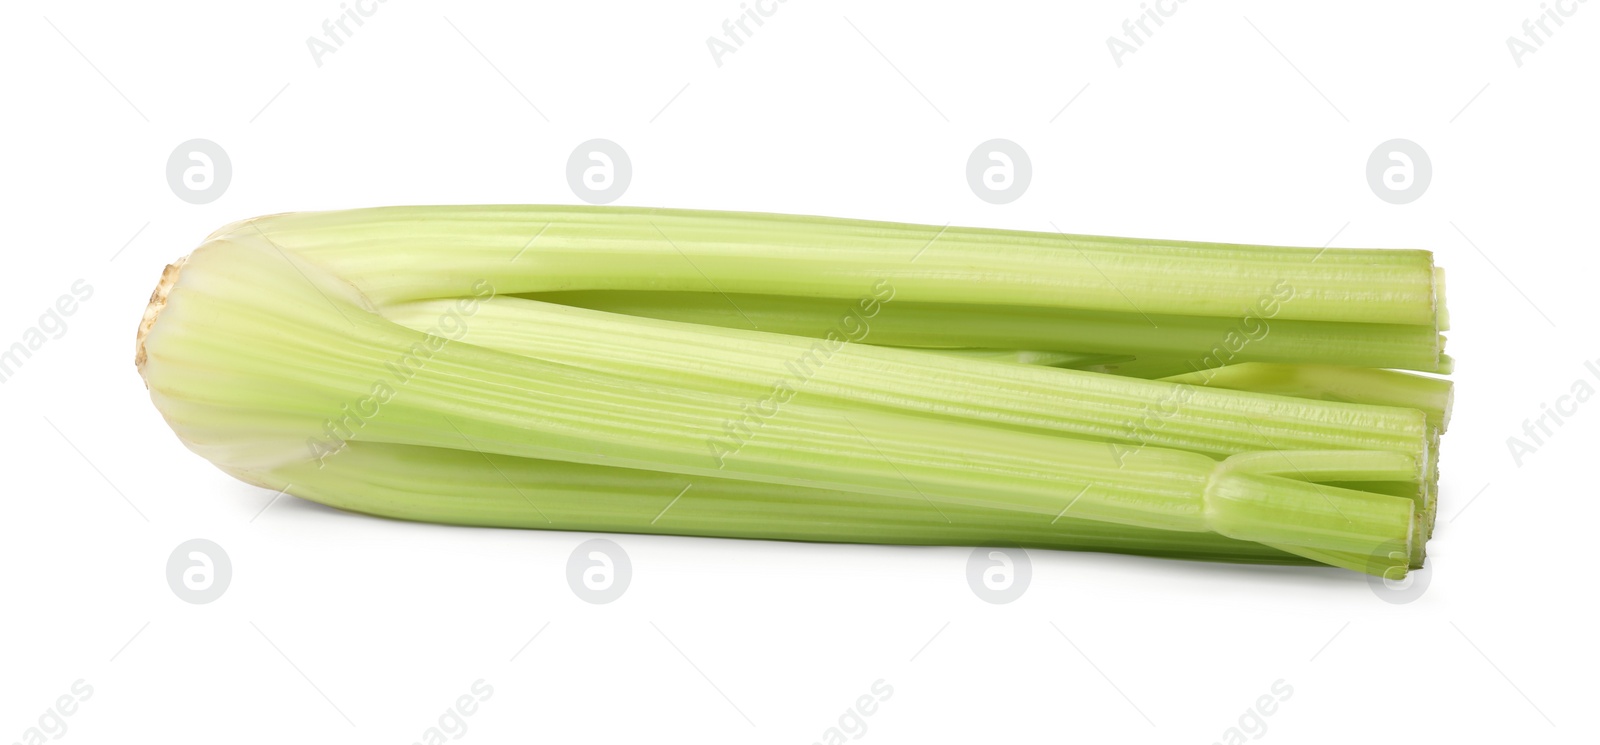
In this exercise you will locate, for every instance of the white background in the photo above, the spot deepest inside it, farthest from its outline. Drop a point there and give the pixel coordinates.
(1236, 121)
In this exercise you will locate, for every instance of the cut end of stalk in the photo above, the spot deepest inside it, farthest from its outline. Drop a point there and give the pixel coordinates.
(1440, 309)
(1449, 404)
(158, 302)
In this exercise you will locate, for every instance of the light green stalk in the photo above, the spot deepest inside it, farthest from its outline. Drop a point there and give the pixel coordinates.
(1181, 343)
(406, 482)
(763, 368)
(1431, 396)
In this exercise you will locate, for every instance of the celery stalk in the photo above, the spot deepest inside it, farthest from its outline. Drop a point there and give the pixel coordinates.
(610, 248)
(285, 345)
(405, 482)
(1432, 396)
(1186, 343)
(1131, 412)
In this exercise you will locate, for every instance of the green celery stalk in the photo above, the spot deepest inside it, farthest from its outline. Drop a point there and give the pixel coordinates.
(1184, 343)
(1432, 396)
(405, 482)
(616, 248)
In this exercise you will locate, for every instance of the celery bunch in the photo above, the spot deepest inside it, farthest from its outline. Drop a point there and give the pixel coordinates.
(768, 376)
